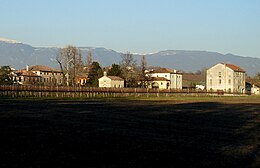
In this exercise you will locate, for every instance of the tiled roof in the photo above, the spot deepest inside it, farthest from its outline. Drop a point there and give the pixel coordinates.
(115, 78)
(26, 73)
(235, 68)
(162, 70)
(42, 68)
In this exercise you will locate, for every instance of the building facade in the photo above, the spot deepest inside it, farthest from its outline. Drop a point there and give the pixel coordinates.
(172, 78)
(255, 90)
(227, 78)
(110, 81)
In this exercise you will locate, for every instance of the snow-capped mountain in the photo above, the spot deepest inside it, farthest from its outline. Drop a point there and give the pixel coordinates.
(18, 55)
(8, 40)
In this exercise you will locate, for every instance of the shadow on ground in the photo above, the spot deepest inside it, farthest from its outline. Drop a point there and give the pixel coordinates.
(128, 134)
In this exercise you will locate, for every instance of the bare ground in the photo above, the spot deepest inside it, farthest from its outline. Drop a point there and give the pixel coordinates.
(59, 133)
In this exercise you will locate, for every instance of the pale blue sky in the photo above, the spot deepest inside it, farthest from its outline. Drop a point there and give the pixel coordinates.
(138, 26)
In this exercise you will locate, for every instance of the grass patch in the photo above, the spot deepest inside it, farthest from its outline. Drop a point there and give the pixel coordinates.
(186, 98)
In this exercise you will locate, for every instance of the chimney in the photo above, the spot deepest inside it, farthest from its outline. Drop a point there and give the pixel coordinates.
(27, 68)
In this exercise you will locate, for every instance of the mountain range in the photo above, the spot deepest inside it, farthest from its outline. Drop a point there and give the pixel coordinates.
(18, 55)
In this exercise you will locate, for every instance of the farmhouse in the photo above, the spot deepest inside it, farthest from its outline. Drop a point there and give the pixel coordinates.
(38, 74)
(164, 78)
(226, 77)
(111, 81)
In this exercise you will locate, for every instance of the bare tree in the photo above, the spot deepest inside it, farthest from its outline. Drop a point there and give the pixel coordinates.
(128, 66)
(142, 74)
(89, 58)
(70, 62)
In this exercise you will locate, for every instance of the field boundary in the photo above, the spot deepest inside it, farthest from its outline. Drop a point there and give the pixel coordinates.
(61, 92)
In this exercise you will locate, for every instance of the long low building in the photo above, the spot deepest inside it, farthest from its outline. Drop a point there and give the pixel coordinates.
(38, 74)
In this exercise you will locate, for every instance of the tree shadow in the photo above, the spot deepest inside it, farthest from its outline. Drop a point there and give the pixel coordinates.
(129, 134)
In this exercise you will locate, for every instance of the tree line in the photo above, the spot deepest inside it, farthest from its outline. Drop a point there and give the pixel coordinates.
(73, 67)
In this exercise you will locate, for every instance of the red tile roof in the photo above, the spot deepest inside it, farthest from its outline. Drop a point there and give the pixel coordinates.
(41, 68)
(235, 68)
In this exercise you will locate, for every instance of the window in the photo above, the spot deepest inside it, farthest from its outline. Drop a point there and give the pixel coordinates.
(166, 76)
(220, 81)
(210, 81)
(229, 75)
(229, 81)
(219, 74)
(161, 83)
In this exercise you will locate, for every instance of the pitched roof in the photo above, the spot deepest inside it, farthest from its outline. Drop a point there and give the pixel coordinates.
(162, 70)
(235, 68)
(26, 73)
(115, 78)
(42, 68)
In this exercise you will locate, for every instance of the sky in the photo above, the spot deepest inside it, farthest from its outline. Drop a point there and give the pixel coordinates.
(136, 26)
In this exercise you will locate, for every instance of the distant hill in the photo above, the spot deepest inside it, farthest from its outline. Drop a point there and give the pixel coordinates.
(18, 55)
(191, 61)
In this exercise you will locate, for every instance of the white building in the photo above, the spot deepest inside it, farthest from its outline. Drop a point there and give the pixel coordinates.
(255, 90)
(226, 77)
(165, 78)
(111, 81)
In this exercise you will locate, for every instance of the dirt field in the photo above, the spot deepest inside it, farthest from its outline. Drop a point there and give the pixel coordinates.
(121, 133)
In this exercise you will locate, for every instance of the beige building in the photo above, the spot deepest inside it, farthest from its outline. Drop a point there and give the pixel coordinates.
(44, 75)
(165, 78)
(111, 81)
(226, 77)
(255, 90)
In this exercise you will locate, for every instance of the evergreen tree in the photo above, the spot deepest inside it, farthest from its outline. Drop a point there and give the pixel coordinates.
(5, 76)
(94, 74)
(115, 70)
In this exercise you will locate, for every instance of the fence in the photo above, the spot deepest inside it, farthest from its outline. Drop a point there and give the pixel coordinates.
(62, 92)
